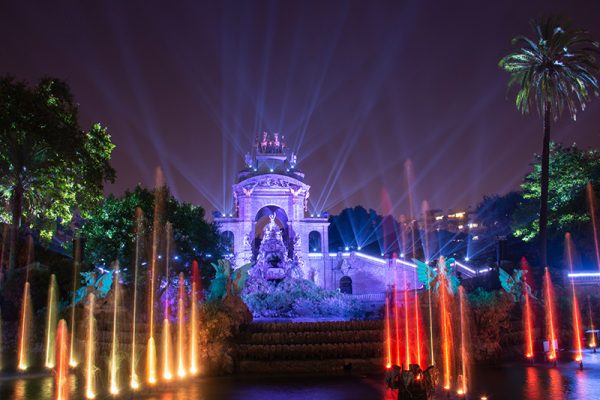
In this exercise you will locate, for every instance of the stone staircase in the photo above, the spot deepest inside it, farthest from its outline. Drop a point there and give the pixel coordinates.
(310, 347)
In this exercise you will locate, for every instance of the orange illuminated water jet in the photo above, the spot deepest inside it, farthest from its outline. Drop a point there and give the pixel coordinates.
(166, 335)
(62, 361)
(592, 343)
(90, 365)
(114, 361)
(24, 329)
(134, 382)
(417, 322)
(577, 343)
(194, 319)
(51, 320)
(464, 337)
(550, 317)
(396, 319)
(388, 336)
(181, 370)
(445, 322)
(527, 315)
(406, 323)
(159, 194)
(76, 261)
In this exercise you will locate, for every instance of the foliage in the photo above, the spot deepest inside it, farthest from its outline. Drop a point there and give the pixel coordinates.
(554, 70)
(570, 171)
(297, 297)
(496, 213)
(227, 281)
(109, 231)
(491, 317)
(49, 166)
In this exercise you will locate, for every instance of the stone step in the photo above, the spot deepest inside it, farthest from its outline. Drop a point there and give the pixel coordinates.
(312, 337)
(309, 351)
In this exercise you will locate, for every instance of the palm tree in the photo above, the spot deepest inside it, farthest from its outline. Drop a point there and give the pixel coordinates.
(554, 71)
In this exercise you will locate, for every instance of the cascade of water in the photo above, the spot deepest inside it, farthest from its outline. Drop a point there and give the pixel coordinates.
(114, 351)
(577, 343)
(51, 320)
(76, 262)
(134, 382)
(181, 371)
(62, 359)
(90, 350)
(550, 317)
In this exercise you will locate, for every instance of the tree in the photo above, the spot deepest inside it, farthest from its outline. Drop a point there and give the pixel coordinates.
(109, 232)
(570, 171)
(49, 166)
(554, 70)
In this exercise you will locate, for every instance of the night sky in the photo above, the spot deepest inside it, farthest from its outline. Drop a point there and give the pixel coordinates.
(357, 88)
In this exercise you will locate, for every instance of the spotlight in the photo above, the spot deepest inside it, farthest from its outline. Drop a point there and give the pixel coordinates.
(231, 215)
(346, 248)
(382, 254)
(467, 259)
(359, 248)
(223, 215)
(271, 170)
(401, 255)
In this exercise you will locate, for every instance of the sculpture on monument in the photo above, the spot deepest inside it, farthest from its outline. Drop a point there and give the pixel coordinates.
(272, 262)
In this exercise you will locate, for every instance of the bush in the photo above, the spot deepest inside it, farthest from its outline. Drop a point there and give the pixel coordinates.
(298, 298)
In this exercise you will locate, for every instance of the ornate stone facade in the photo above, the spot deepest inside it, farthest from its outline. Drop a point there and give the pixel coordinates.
(271, 226)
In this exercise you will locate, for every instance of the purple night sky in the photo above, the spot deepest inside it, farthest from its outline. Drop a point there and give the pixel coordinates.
(357, 88)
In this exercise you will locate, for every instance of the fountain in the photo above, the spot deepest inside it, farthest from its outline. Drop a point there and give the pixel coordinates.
(134, 382)
(25, 326)
(272, 262)
(592, 343)
(577, 344)
(527, 315)
(90, 351)
(446, 324)
(463, 378)
(406, 323)
(166, 333)
(550, 318)
(51, 320)
(76, 261)
(396, 320)
(388, 334)
(181, 370)
(156, 225)
(114, 351)
(417, 340)
(194, 319)
(62, 359)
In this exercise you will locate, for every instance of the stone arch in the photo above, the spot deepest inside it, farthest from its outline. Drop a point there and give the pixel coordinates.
(228, 240)
(346, 284)
(262, 219)
(314, 242)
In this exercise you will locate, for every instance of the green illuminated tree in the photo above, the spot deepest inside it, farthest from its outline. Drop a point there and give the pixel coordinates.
(554, 71)
(109, 230)
(49, 166)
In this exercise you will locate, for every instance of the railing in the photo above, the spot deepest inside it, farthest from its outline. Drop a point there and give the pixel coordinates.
(372, 297)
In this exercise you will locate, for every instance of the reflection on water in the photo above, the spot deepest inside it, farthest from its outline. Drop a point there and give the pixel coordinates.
(510, 382)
